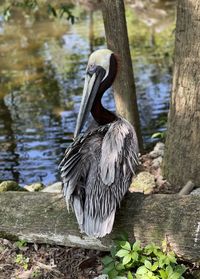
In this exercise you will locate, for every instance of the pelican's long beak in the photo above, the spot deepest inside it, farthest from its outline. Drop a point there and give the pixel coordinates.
(91, 86)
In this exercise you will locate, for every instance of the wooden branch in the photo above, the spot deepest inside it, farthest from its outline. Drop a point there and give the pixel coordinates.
(43, 218)
(187, 188)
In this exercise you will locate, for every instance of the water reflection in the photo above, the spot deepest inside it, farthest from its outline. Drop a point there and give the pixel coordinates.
(42, 70)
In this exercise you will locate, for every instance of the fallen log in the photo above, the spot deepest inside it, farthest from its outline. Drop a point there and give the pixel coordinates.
(43, 218)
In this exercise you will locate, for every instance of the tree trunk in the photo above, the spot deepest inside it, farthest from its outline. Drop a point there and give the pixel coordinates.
(182, 154)
(117, 41)
(43, 218)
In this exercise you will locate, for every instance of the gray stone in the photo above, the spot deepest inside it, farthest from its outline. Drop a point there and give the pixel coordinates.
(158, 150)
(34, 187)
(157, 162)
(10, 185)
(144, 182)
(195, 192)
(160, 146)
(104, 276)
(54, 188)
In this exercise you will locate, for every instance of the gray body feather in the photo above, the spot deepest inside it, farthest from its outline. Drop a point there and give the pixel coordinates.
(96, 173)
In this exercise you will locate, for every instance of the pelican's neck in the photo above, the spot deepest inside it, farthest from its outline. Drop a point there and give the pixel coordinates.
(101, 114)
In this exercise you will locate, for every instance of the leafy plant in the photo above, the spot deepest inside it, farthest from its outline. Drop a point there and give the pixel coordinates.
(132, 261)
(160, 135)
(21, 244)
(58, 11)
(22, 260)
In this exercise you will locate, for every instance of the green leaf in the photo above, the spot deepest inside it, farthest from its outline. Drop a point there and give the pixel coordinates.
(126, 259)
(25, 266)
(148, 264)
(174, 275)
(150, 274)
(6, 14)
(134, 256)
(113, 251)
(142, 270)
(52, 10)
(169, 270)
(154, 266)
(171, 257)
(126, 246)
(113, 274)
(162, 260)
(130, 276)
(109, 268)
(158, 135)
(152, 248)
(107, 260)
(143, 258)
(180, 269)
(137, 246)
(122, 253)
(119, 267)
(163, 274)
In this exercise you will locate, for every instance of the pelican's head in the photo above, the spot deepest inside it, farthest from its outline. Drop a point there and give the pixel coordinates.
(99, 58)
(100, 72)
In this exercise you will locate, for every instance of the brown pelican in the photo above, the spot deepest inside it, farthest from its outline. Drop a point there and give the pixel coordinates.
(98, 166)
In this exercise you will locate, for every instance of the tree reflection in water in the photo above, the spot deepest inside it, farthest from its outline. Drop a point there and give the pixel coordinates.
(42, 70)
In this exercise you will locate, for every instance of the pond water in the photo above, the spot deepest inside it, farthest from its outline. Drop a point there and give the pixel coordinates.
(42, 67)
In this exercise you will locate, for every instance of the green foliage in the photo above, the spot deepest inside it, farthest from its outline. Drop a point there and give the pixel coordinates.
(61, 11)
(58, 11)
(22, 261)
(6, 14)
(160, 135)
(132, 261)
(21, 244)
(161, 122)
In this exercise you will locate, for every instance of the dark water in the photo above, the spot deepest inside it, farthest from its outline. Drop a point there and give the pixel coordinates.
(42, 69)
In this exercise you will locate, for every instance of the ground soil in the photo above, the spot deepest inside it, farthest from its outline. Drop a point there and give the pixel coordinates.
(20, 260)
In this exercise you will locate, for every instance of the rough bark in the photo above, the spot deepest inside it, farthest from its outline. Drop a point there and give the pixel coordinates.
(117, 40)
(42, 217)
(182, 154)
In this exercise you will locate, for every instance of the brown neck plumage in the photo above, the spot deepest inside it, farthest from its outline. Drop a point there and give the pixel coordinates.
(101, 114)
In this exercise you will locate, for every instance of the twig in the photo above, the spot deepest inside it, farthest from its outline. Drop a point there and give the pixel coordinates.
(187, 188)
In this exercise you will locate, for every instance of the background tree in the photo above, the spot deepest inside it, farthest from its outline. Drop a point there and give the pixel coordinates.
(117, 40)
(182, 154)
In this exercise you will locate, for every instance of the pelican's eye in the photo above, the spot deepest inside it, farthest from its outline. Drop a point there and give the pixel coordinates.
(91, 69)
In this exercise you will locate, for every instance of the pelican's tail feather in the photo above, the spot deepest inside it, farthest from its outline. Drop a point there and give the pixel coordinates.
(78, 210)
(97, 227)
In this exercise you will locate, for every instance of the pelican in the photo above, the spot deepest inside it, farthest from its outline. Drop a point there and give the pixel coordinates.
(97, 168)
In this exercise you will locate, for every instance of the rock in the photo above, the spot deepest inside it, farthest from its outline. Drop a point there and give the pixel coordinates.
(104, 276)
(158, 150)
(144, 182)
(160, 181)
(54, 188)
(160, 146)
(34, 187)
(10, 185)
(195, 192)
(156, 163)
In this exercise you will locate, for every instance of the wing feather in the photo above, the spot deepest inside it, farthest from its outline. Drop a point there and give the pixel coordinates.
(119, 143)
